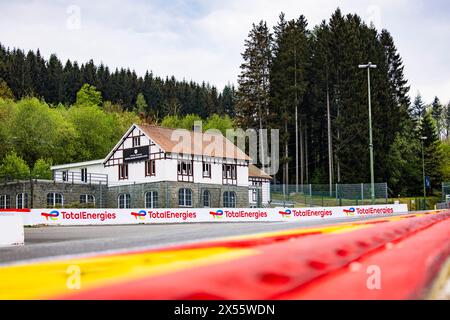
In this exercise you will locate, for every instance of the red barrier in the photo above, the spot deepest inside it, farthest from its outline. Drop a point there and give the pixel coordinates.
(15, 210)
(406, 270)
(292, 269)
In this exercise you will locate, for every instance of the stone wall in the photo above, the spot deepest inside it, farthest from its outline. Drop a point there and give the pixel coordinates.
(13, 188)
(168, 194)
(37, 192)
(107, 197)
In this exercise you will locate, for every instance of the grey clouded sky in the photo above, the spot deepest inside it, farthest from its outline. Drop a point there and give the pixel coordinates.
(203, 39)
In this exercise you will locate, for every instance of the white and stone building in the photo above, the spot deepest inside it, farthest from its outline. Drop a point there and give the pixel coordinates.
(159, 167)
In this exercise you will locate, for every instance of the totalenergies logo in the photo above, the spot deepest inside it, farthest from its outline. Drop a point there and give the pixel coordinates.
(217, 214)
(286, 213)
(350, 212)
(139, 215)
(53, 215)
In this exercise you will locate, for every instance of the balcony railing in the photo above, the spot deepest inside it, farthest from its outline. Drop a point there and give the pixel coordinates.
(75, 177)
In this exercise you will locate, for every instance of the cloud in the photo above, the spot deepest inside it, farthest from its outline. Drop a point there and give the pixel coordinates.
(202, 40)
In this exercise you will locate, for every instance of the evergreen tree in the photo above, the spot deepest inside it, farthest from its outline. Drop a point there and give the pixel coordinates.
(404, 162)
(32, 75)
(319, 105)
(396, 70)
(289, 81)
(432, 150)
(72, 81)
(55, 85)
(418, 109)
(447, 120)
(252, 104)
(437, 112)
(228, 100)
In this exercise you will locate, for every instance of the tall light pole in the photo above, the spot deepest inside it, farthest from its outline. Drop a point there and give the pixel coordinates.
(422, 139)
(372, 172)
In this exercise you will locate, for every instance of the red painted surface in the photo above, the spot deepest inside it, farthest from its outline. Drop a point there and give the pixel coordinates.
(15, 210)
(406, 270)
(309, 267)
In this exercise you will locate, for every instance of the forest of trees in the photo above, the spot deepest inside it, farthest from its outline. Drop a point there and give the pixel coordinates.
(36, 135)
(30, 74)
(292, 74)
(310, 77)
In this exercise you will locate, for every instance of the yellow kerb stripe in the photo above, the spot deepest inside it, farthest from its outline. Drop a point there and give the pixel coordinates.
(50, 279)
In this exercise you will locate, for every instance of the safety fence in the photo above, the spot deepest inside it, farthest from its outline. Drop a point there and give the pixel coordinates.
(445, 204)
(157, 216)
(312, 195)
(446, 192)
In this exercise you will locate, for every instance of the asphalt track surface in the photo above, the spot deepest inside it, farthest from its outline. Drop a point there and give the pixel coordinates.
(48, 242)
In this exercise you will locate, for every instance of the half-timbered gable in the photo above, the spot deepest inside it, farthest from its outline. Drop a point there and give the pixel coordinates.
(203, 169)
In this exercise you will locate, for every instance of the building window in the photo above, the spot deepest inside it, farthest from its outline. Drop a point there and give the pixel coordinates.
(65, 176)
(136, 141)
(150, 168)
(254, 195)
(123, 171)
(206, 170)
(88, 199)
(185, 198)
(151, 199)
(5, 202)
(206, 199)
(124, 201)
(185, 171)
(55, 200)
(229, 199)
(255, 190)
(22, 200)
(84, 175)
(229, 174)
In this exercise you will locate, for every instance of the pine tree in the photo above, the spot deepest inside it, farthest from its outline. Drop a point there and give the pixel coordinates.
(253, 93)
(437, 112)
(432, 150)
(72, 81)
(404, 163)
(320, 107)
(228, 100)
(447, 120)
(396, 70)
(288, 85)
(418, 109)
(55, 81)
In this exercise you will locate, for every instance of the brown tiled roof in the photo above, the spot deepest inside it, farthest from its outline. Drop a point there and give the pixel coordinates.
(255, 172)
(188, 142)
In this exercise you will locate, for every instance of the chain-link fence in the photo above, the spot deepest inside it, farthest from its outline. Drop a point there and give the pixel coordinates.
(314, 195)
(445, 197)
(446, 191)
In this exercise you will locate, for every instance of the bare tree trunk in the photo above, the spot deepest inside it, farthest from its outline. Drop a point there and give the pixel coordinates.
(330, 142)
(302, 159)
(296, 118)
(306, 155)
(286, 156)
